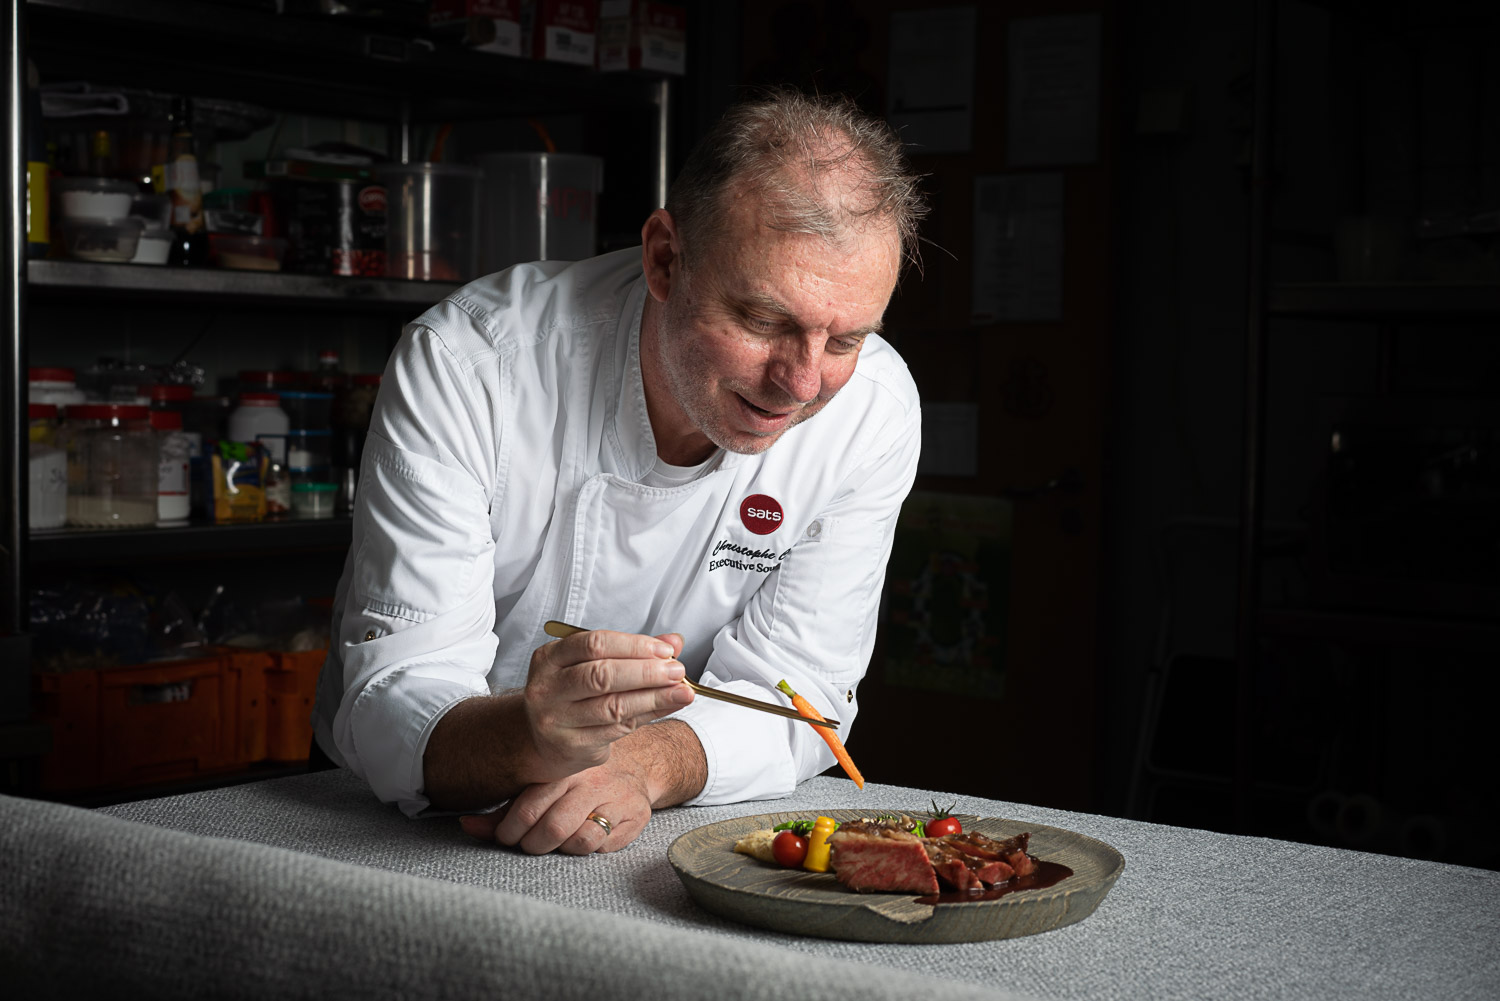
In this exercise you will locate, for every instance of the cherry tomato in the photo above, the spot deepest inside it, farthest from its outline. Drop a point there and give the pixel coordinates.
(790, 848)
(939, 826)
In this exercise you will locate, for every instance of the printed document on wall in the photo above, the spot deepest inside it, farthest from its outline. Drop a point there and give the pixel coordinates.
(1018, 248)
(932, 78)
(1053, 102)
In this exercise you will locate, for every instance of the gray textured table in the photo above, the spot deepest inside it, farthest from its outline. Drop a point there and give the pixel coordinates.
(1195, 915)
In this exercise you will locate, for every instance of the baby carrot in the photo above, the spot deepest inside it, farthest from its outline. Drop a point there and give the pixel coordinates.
(806, 708)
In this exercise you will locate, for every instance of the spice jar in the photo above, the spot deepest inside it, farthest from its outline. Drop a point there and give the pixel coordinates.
(47, 470)
(112, 466)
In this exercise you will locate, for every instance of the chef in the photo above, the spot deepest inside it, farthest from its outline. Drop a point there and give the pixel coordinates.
(696, 450)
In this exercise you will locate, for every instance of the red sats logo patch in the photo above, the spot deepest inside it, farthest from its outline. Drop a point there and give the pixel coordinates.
(761, 513)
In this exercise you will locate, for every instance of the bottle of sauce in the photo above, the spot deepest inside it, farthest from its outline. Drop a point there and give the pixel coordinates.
(189, 234)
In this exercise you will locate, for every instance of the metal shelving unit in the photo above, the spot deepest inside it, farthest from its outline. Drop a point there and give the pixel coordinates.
(336, 66)
(79, 546)
(72, 280)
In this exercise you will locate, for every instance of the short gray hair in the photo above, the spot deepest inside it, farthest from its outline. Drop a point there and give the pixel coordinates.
(784, 145)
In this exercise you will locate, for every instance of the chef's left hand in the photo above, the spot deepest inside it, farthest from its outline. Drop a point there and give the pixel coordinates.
(554, 816)
(656, 766)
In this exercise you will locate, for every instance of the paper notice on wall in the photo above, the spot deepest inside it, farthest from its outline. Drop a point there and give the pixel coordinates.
(932, 78)
(948, 588)
(950, 440)
(1018, 248)
(1053, 102)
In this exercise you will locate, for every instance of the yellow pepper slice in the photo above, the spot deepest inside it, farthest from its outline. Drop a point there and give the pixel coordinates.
(817, 845)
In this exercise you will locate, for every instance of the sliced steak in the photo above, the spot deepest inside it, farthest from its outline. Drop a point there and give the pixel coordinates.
(963, 871)
(870, 858)
(1011, 851)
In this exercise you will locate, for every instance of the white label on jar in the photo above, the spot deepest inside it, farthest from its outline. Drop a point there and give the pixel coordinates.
(48, 487)
(172, 500)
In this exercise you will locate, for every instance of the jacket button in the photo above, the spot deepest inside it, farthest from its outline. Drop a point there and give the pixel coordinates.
(850, 695)
(814, 530)
(369, 635)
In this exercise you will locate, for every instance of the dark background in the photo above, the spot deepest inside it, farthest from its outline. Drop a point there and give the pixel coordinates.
(1118, 431)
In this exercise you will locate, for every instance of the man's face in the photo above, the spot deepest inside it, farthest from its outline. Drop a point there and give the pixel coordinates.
(762, 330)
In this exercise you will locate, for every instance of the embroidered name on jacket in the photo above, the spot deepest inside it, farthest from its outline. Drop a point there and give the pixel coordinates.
(753, 561)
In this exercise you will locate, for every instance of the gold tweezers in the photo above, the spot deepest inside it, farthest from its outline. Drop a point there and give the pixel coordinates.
(562, 629)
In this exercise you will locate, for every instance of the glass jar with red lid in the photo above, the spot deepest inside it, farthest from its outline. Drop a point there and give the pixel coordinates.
(112, 465)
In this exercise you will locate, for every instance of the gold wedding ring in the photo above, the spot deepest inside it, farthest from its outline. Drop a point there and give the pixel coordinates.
(602, 822)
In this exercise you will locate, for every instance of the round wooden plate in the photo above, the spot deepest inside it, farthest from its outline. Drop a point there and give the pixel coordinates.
(745, 889)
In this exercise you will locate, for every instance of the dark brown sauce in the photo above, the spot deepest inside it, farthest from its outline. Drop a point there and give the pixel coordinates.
(1046, 874)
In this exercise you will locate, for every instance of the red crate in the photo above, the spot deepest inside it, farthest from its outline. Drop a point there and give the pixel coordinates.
(118, 727)
(291, 689)
(245, 674)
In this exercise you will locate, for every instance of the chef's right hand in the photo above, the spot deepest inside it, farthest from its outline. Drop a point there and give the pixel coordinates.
(586, 691)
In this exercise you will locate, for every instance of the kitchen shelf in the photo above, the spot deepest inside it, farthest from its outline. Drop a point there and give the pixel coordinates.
(1385, 302)
(361, 67)
(69, 546)
(70, 280)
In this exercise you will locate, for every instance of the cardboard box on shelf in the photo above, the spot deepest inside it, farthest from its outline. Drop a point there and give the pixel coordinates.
(483, 25)
(641, 35)
(561, 30)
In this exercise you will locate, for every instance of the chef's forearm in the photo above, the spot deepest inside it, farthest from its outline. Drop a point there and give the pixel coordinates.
(479, 754)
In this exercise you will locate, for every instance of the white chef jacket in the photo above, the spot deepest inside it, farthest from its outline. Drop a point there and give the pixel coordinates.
(502, 486)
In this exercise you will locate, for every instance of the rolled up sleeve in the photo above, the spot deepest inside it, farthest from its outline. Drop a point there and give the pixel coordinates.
(416, 634)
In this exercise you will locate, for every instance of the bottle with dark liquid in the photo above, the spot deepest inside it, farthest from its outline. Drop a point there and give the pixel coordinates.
(189, 234)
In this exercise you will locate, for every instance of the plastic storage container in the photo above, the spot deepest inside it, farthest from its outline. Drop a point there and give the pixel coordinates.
(112, 242)
(432, 211)
(112, 465)
(314, 500)
(98, 198)
(47, 471)
(259, 417)
(246, 253)
(539, 207)
(308, 455)
(154, 247)
(53, 385)
(308, 410)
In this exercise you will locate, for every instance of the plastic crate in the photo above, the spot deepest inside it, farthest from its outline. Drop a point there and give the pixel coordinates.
(126, 726)
(245, 674)
(291, 689)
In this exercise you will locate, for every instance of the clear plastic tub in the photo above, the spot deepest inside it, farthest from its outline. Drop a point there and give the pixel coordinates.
(94, 198)
(539, 207)
(246, 253)
(432, 211)
(314, 500)
(110, 242)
